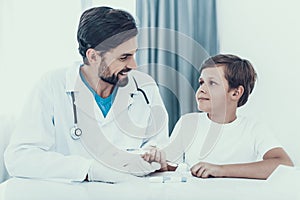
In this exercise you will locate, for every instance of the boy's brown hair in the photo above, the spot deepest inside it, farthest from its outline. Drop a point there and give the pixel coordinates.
(237, 72)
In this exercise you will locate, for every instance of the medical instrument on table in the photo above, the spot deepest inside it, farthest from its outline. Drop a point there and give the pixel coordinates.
(167, 179)
(180, 175)
(183, 168)
(75, 131)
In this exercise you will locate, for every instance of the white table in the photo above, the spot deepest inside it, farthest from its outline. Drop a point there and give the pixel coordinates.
(283, 184)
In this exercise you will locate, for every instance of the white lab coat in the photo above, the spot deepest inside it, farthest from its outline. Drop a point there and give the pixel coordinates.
(41, 146)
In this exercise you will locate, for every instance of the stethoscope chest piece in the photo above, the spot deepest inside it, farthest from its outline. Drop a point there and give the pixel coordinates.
(76, 132)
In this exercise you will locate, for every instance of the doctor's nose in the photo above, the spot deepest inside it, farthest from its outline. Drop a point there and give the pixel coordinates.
(132, 63)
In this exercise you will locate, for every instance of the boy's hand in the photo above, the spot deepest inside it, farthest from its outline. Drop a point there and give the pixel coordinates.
(156, 155)
(206, 170)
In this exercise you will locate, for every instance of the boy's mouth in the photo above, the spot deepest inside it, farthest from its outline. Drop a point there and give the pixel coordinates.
(203, 99)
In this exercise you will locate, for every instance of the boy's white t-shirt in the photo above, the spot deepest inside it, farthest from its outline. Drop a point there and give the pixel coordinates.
(241, 141)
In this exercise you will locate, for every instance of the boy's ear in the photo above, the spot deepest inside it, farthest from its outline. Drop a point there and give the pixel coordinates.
(92, 56)
(236, 93)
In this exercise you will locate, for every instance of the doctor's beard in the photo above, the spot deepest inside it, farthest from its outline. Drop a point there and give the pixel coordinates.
(113, 79)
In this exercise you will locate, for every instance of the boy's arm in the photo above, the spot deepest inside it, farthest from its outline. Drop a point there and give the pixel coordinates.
(258, 170)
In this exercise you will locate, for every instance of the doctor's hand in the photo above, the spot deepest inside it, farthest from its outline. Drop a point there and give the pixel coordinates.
(156, 155)
(140, 167)
(206, 170)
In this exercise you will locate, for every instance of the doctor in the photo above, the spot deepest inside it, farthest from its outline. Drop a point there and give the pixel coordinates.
(76, 115)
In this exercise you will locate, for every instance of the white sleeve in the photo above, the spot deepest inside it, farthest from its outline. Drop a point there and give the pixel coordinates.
(31, 152)
(264, 140)
(163, 136)
(176, 129)
(182, 138)
(173, 136)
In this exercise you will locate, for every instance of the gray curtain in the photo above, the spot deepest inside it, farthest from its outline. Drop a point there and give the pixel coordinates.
(175, 36)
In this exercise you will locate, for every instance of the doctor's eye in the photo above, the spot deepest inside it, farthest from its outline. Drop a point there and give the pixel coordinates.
(123, 58)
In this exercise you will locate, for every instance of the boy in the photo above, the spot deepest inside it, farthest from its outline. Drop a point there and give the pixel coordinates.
(227, 145)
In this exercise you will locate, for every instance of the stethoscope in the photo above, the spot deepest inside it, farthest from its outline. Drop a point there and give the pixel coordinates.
(75, 131)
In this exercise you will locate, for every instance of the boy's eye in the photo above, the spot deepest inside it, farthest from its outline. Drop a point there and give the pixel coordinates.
(212, 83)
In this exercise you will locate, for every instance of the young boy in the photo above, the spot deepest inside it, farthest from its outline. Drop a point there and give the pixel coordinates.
(225, 144)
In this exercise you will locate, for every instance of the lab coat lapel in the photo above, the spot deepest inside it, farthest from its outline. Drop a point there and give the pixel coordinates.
(85, 102)
(122, 100)
(84, 99)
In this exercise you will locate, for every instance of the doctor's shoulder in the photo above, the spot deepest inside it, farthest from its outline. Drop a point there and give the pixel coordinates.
(53, 78)
(55, 74)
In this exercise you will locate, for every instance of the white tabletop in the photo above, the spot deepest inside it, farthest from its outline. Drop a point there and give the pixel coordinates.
(283, 184)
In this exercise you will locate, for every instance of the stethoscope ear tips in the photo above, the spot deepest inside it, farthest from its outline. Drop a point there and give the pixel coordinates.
(75, 132)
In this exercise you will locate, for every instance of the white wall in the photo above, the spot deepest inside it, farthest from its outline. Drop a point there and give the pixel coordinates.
(127, 5)
(268, 34)
(35, 37)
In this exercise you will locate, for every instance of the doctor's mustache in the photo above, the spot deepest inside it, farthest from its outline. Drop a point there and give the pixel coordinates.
(114, 79)
(124, 70)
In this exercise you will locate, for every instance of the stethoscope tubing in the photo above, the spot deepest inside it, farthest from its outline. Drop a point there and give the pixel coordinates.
(75, 129)
(74, 108)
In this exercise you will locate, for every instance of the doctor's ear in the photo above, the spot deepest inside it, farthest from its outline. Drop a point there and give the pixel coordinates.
(92, 56)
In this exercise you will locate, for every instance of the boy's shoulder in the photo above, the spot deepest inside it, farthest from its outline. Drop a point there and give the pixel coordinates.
(193, 118)
(197, 115)
(201, 117)
(249, 120)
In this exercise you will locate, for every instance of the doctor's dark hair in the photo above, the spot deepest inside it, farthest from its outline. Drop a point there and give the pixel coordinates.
(104, 28)
(237, 72)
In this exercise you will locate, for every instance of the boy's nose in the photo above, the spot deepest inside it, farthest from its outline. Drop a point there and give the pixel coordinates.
(202, 88)
(199, 92)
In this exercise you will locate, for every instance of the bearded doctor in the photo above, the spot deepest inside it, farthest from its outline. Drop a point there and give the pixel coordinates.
(85, 122)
